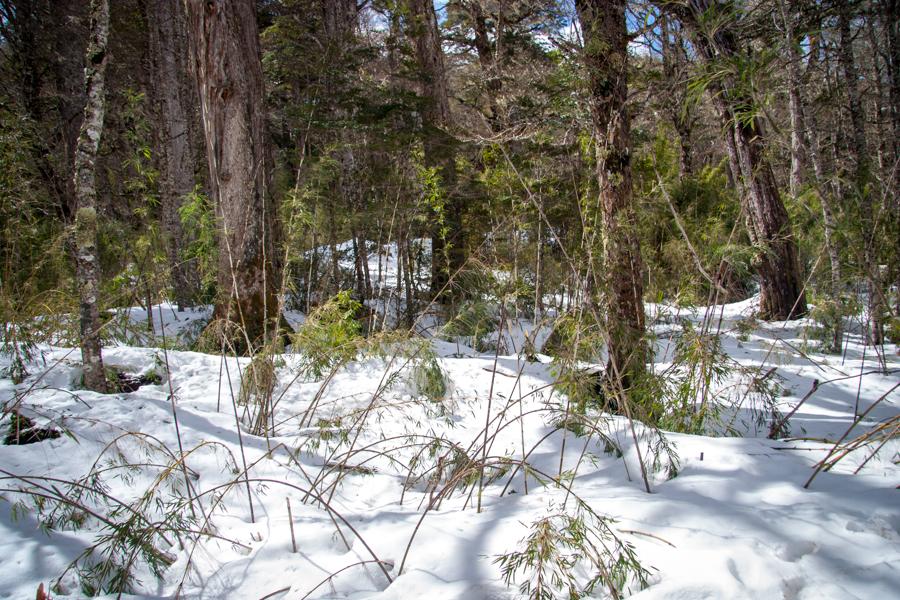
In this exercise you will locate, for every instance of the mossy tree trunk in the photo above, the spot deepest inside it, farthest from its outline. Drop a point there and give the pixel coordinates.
(87, 260)
(605, 55)
(227, 67)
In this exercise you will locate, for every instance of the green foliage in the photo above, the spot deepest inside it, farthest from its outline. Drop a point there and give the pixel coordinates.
(745, 327)
(33, 257)
(473, 323)
(580, 386)
(827, 316)
(561, 547)
(429, 379)
(707, 210)
(129, 533)
(892, 329)
(197, 216)
(331, 335)
(706, 392)
(574, 338)
(700, 365)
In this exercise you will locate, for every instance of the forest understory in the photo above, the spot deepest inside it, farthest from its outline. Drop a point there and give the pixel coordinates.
(474, 299)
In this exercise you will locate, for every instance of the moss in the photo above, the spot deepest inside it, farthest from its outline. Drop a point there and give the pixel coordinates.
(86, 227)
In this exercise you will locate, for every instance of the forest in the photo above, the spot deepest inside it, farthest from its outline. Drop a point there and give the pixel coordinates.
(468, 298)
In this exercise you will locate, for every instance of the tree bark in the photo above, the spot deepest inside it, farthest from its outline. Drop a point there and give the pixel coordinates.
(795, 106)
(87, 261)
(805, 143)
(174, 97)
(782, 294)
(606, 58)
(227, 67)
(447, 242)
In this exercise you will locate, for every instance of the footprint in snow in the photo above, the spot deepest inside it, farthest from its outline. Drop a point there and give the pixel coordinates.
(794, 551)
(876, 525)
(791, 588)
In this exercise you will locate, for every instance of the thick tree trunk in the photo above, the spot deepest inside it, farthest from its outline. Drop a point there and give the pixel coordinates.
(606, 58)
(226, 62)
(174, 97)
(87, 261)
(447, 240)
(782, 293)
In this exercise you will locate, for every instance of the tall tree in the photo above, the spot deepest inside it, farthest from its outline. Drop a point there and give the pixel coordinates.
(805, 147)
(447, 243)
(861, 170)
(711, 23)
(606, 59)
(174, 98)
(227, 67)
(87, 261)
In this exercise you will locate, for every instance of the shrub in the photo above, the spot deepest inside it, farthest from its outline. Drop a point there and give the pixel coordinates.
(472, 324)
(428, 378)
(561, 547)
(330, 336)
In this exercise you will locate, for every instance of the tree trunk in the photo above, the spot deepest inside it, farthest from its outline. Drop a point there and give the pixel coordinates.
(676, 104)
(174, 97)
(227, 67)
(782, 293)
(861, 174)
(798, 126)
(487, 60)
(447, 242)
(606, 57)
(827, 196)
(891, 20)
(87, 261)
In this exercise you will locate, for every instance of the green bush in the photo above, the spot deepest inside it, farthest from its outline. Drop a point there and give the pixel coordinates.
(474, 321)
(828, 316)
(330, 336)
(429, 379)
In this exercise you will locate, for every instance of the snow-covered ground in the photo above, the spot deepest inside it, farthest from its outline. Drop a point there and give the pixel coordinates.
(736, 521)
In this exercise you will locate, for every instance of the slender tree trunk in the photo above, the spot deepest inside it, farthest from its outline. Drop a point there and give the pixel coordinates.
(677, 107)
(87, 261)
(447, 242)
(332, 247)
(795, 106)
(891, 19)
(226, 61)
(606, 57)
(861, 174)
(174, 97)
(827, 197)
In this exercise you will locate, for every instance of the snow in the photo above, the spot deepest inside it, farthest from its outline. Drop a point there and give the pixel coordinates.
(736, 521)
